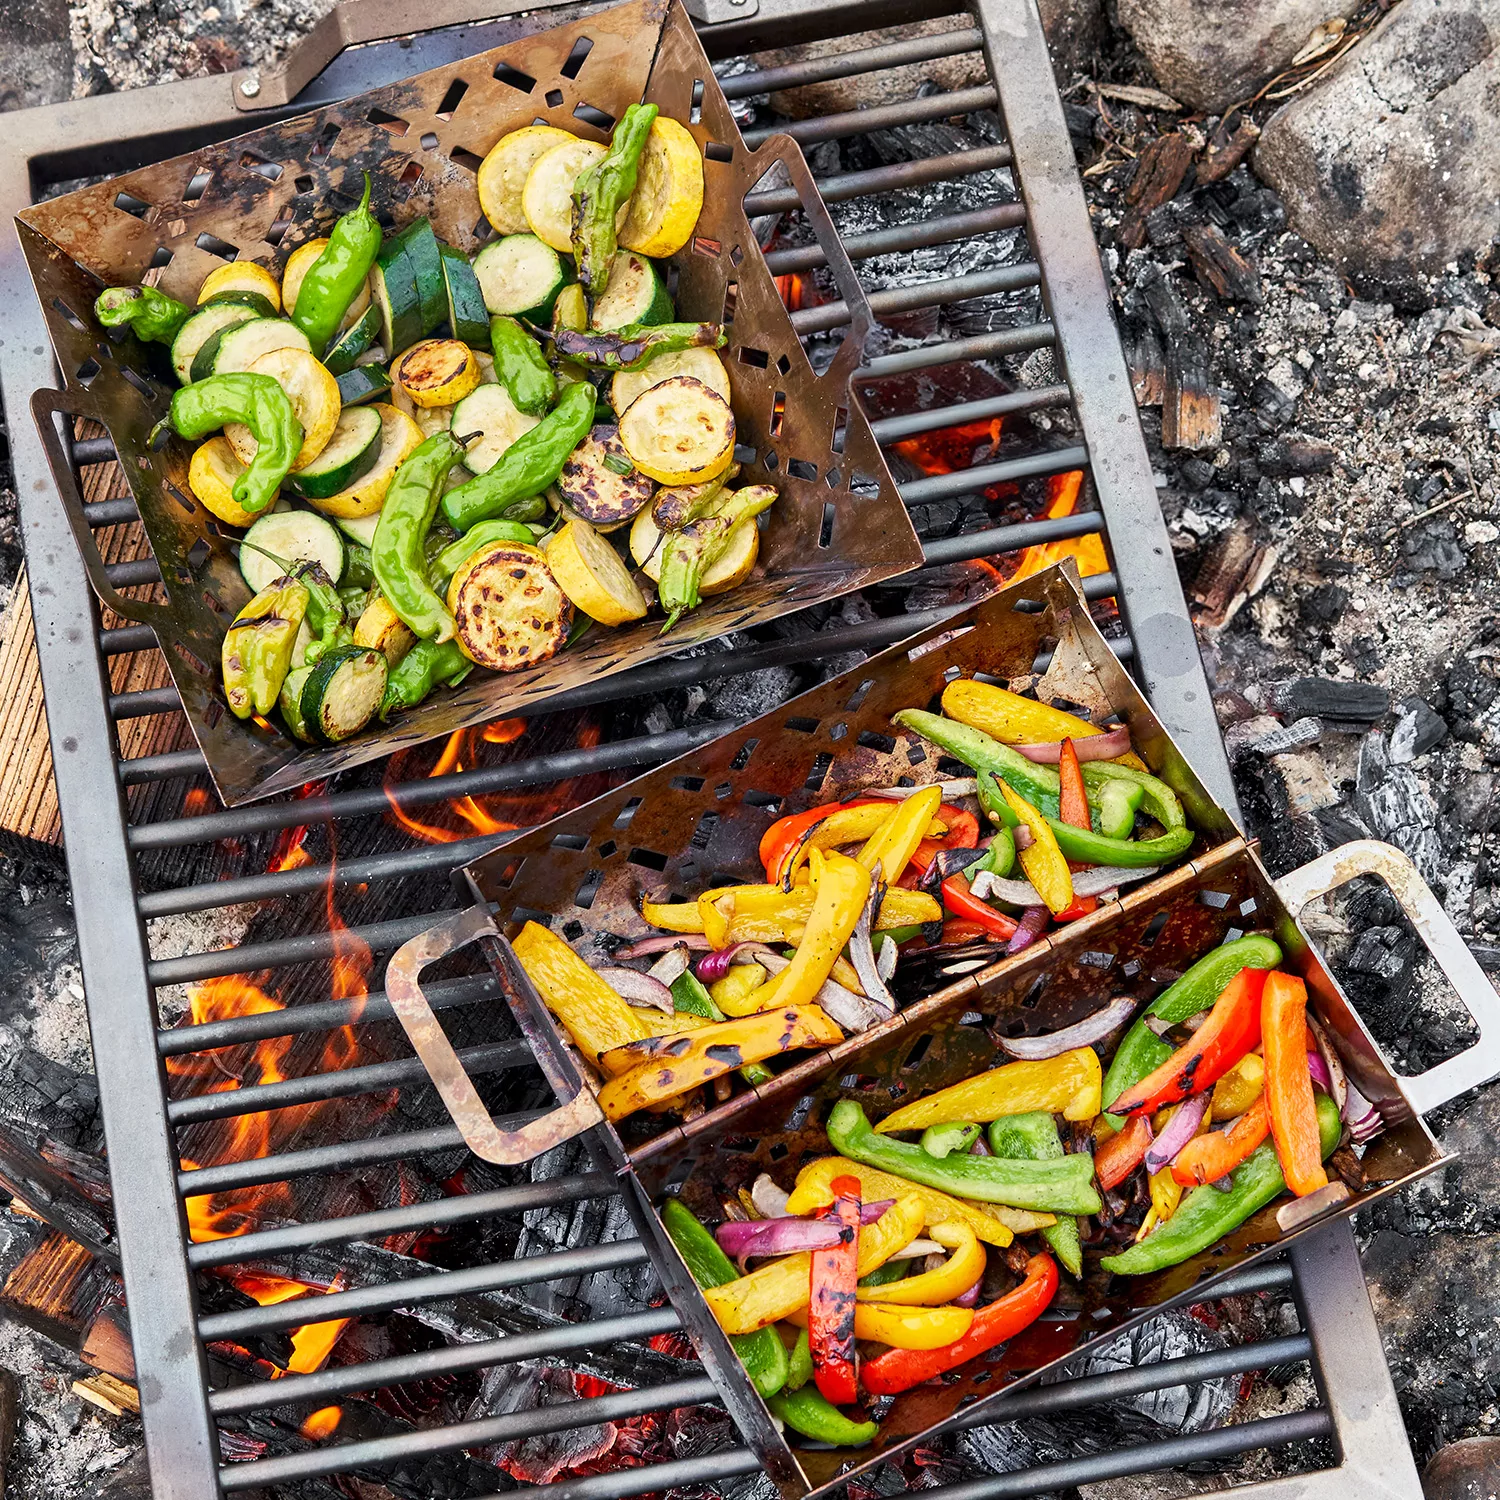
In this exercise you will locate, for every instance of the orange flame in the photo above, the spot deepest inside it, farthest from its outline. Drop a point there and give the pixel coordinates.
(1062, 500)
(950, 449)
(791, 290)
(313, 1342)
(322, 1423)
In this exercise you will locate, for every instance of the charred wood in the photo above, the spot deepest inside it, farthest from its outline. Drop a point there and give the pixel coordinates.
(1219, 267)
(1226, 150)
(1159, 175)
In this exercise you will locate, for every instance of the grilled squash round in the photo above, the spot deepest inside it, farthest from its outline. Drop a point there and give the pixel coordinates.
(511, 612)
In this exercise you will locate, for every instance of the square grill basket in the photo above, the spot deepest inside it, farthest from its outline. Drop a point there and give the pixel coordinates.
(697, 822)
(838, 526)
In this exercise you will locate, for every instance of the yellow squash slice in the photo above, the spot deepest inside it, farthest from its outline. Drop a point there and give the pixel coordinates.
(668, 193)
(510, 611)
(399, 435)
(382, 629)
(240, 276)
(679, 432)
(547, 198)
(503, 174)
(728, 571)
(701, 364)
(314, 395)
(438, 372)
(590, 573)
(211, 477)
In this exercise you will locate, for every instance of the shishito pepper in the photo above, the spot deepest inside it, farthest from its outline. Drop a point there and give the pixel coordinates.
(762, 1353)
(903, 1327)
(398, 552)
(807, 1412)
(1206, 1215)
(660, 1068)
(934, 1288)
(601, 191)
(486, 533)
(151, 315)
(257, 651)
(1042, 860)
(426, 666)
(689, 553)
(1065, 1186)
(597, 1019)
(1289, 1092)
(830, 1307)
(335, 278)
(636, 345)
(326, 616)
(778, 1288)
(891, 846)
(521, 367)
(899, 1370)
(1033, 1136)
(1066, 1085)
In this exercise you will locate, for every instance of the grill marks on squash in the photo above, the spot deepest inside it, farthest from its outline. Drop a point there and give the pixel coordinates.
(511, 614)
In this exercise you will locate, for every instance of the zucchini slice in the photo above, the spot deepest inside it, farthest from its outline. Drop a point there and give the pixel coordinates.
(635, 293)
(420, 246)
(728, 571)
(668, 193)
(364, 383)
(679, 432)
(433, 419)
(489, 411)
(293, 536)
(357, 339)
(599, 482)
(701, 364)
(399, 435)
(383, 630)
(547, 198)
(290, 701)
(437, 372)
(520, 277)
(589, 571)
(394, 282)
(467, 316)
(240, 276)
(314, 395)
(260, 305)
(198, 329)
(361, 529)
(239, 347)
(348, 454)
(343, 692)
(511, 614)
(503, 172)
(211, 477)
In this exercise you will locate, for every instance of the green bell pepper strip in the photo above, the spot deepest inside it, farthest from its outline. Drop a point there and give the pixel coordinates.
(456, 554)
(814, 1416)
(325, 614)
(1054, 1187)
(528, 466)
(1142, 1052)
(423, 668)
(892, 1270)
(151, 315)
(1117, 803)
(334, 279)
(688, 554)
(1086, 847)
(1034, 1137)
(1158, 800)
(637, 344)
(991, 803)
(689, 996)
(260, 404)
(289, 702)
(521, 367)
(762, 1353)
(397, 553)
(799, 1365)
(601, 191)
(1206, 1215)
(257, 651)
(942, 1141)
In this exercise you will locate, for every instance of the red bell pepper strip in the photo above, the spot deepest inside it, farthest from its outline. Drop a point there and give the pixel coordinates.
(1123, 1152)
(1289, 1094)
(830, 1309)
(781, 837)
(1073, 809)
(1231, 1030)
(968, 907)
(1207, 1158)
(899, 1370)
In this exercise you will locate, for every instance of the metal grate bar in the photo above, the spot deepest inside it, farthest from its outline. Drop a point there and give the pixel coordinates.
(952, 351)
(892, 429)
(945, 229)
(108, 512)
(847, 64)
(842, 186)
(140, 705)
(127, 574)
(968, 481)
(127, 638)
(902, 299)
(628, 1482)
(881, 117)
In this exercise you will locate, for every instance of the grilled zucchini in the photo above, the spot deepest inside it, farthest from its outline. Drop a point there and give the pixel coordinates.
(343, 692)
(599, 482)
(510, 611)
(547, 198)
(240, 276)
(635, 293)
(520, 277)
(489, 411)
(399, 435)
(350, 453)
(589, 571)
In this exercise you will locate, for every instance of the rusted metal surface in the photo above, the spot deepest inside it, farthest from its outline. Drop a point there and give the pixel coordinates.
(838, 526)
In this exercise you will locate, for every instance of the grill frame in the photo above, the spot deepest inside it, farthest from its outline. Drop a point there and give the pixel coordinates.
(1359, 1412)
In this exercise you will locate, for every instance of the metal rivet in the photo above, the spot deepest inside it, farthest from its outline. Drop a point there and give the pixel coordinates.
(251, 86)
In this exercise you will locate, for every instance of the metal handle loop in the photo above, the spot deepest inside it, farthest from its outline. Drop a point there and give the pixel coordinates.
(403, 987)
(1478, 1063)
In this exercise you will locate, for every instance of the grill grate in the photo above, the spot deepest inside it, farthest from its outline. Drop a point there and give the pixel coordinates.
(109, 859)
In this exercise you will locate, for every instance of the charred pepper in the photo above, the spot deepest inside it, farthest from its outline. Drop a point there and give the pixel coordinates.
(521, 367)
(426, 666)
(1067, 1085)
(397, 552)
(830, 1307)
(260, 404)
(257, 651)
(334, 279)
(637, 344)
(808, 1412)
(151, 315)
(688, 554)
(1289, 1093)
(601, 191)
(1034, 1137)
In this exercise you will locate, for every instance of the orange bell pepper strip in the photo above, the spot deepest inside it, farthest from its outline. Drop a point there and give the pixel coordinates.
(899, 1370)
(1123, 1152)
(1289, 1093)
(782, 836)
(967, 907)
(1231, 1030)
(1042, 860)
(830, 1306)
(1073, 809)
(1207, 1158)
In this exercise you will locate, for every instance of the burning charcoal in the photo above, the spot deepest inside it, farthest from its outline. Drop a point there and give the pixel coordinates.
(694, 1432)
(996, 1450)
(1295, 736)
(1417, 730)
(1392, 801)
(529, 1386)
(1475, 803)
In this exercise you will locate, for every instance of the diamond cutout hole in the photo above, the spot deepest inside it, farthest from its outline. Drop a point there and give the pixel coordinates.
(450, 101)
(591, 114)
(717, 151)
(695, 109)
(429, 141)
(461, 156)
(197, 186)
(215, 246)
(577, 57)
(778, 413)
(133, 206)
(387, 121)
(800, 468)
(326, 137)
(514, 78)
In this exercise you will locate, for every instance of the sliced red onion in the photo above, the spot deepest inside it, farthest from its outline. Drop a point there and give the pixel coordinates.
(1088, 1032)
(1224, 1184)
(671, 966)
(969, 1298)
(1338, 1080)
(885, 956)
(1181, 1128)
(869, 1212)
(776, 1237)
(1023, 836)
(1319, 1070)
(647, 947)
(852, 1012)
(1034, 922)
(980, 1147)
(951, 790)
(986, 884)
(918, 1248)
(1363, 1119)
(636, 988)
(1104, 746)
(715, 965)
(862, 954)
(946, 863)
(769, 1200)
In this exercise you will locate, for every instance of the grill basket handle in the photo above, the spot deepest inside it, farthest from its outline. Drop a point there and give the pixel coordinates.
(403, 987)
(46, 406)
(1476, 1064)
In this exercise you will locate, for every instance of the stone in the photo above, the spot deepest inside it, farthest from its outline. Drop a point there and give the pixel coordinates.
(1466, 1470)
(1212, 56)
(36, 57)
(1386, 165)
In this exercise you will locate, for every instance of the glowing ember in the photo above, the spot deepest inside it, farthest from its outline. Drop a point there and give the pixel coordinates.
(791, 290)
(289, 852)
(196, 802)
(323, 1423)
(951, 449)
(503, 731)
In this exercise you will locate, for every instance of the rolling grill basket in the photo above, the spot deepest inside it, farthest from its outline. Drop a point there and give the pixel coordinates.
(696, 822)
(839, 524)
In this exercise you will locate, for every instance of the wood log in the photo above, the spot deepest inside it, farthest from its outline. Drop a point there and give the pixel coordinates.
(1219, 267)
(117, 1397)
(1190, 414)
(1159, 174)
(58, 1289)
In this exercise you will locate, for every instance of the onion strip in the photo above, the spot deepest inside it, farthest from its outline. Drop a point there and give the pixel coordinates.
(1088, 1032)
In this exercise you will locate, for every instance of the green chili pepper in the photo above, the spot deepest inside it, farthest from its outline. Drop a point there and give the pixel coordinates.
(1206, 1215)
(356, 597)
(992, 803)
(762, 1353)
(799, 1368)
(424, 667)
(1117, 803)
(892, 1270)
(809, 1412)
(455, 554)
(521, 367)
(940, 1141)
(325, 613)
(688, 554)
(1142, 1051)
(397, 553)
(1065, 1187)
(260, 403)
(336, 276)
(150, 314)
(358, 572)
(601, 191)
(635, 346)
(1034, 1137)
(257, 652)
(528, 466)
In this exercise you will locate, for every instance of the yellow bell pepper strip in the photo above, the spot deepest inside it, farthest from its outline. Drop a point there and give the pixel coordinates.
(892, 846)
(933, 1288)
(854, 824)
(741, 981)
(1008, 717)
(596, 1018)
(777, 1289)
(1066, 1085)
(1045, 865)
(1239, 1088)
(841, 888)
(903, 1327)
(778, 841)
(715, 911)
(768, 914)
(681, 917)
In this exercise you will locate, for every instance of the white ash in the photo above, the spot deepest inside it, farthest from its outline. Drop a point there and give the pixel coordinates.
(193, 932)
